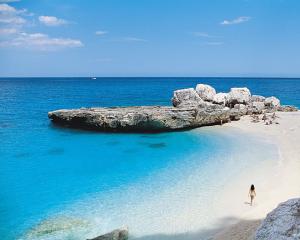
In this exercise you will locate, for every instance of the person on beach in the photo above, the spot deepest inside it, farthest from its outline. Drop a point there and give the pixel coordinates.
(252, 193)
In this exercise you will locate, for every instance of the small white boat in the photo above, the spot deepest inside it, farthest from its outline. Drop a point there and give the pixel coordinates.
(94, 78)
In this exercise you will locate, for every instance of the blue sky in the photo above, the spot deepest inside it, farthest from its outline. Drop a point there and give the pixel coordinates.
(150, 38)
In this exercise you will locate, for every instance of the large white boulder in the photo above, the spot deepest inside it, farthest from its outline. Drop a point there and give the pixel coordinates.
(272, 102)
(221, 98)
(257, 98)
(258, 107)
(206, 92)
(239, 95)
(241, 108)
(186, 97)
(283, 223)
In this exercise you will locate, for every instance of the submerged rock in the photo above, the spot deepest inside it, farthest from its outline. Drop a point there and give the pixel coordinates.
(118, 234)
(141, 119)
(54, 226)
(283, 223)
(186, 97)
(205, 92)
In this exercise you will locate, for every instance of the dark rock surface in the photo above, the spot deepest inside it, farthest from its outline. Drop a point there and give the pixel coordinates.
(141, 119)
(118, 234)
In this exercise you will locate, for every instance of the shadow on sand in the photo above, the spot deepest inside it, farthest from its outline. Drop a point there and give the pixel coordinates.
(229, 228)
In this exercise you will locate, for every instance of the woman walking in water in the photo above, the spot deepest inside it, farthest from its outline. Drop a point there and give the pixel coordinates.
(252, 193)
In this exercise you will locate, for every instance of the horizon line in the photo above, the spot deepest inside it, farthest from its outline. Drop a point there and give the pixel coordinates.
(271, 77)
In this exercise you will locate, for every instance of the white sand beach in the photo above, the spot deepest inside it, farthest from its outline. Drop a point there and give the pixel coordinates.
(274, 184)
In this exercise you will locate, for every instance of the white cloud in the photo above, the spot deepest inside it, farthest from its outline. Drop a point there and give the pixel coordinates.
(128, 39)
(99, 33)
(204, 35)
(10, 15)
(201, 34)
(8, 31)
(40, 41)
(133, 39)
(52, 21)
(12, 20)
(6, 8)
(12, 30)
(213, 43)
(235, 21)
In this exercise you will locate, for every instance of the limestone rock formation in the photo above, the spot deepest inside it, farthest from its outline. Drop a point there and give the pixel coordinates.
(191, 108)
(141, 119)
(239, 95)
(118, 234)
(283, 223)
(287, 109)
(272, 102)
(241, 108)
(257, 98)
(221, 98)
(257, 107)
(186, 97)
(205, 92)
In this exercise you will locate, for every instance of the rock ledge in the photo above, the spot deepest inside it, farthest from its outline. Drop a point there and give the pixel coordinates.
(191, 108)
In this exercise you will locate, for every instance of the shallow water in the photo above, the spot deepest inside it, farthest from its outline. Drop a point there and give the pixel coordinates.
(93, 182)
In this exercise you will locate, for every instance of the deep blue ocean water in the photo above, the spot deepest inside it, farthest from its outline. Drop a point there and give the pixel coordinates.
(45, 170)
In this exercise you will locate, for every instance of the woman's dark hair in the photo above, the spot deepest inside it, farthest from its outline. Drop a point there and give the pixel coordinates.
(252, 187)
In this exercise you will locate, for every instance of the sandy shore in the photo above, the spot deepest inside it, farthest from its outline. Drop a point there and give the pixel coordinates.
(274, 183)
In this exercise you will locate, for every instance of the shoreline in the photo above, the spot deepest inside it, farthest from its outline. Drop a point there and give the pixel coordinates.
(274, 184)
(226, 216)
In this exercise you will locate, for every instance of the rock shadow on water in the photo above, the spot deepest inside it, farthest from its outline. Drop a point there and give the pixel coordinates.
(153, 144)
(22, 155)
(157, 145)
(154, 136)
(56, 151)
(113, 143)
(6, 125)
(130, 150)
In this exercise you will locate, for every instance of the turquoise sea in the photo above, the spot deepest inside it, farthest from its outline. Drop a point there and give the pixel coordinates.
(58, 183)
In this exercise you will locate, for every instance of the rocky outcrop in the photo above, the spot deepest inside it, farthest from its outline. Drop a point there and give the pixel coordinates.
(191, 108)
(241, 108)
(257, 98)
(205, 92)
(287, 109)
(272, 102)
(283, 223)
(257, 107)
(141, 119)
(221, 98)
(186, 97)
(239, 95)
(119, 234)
